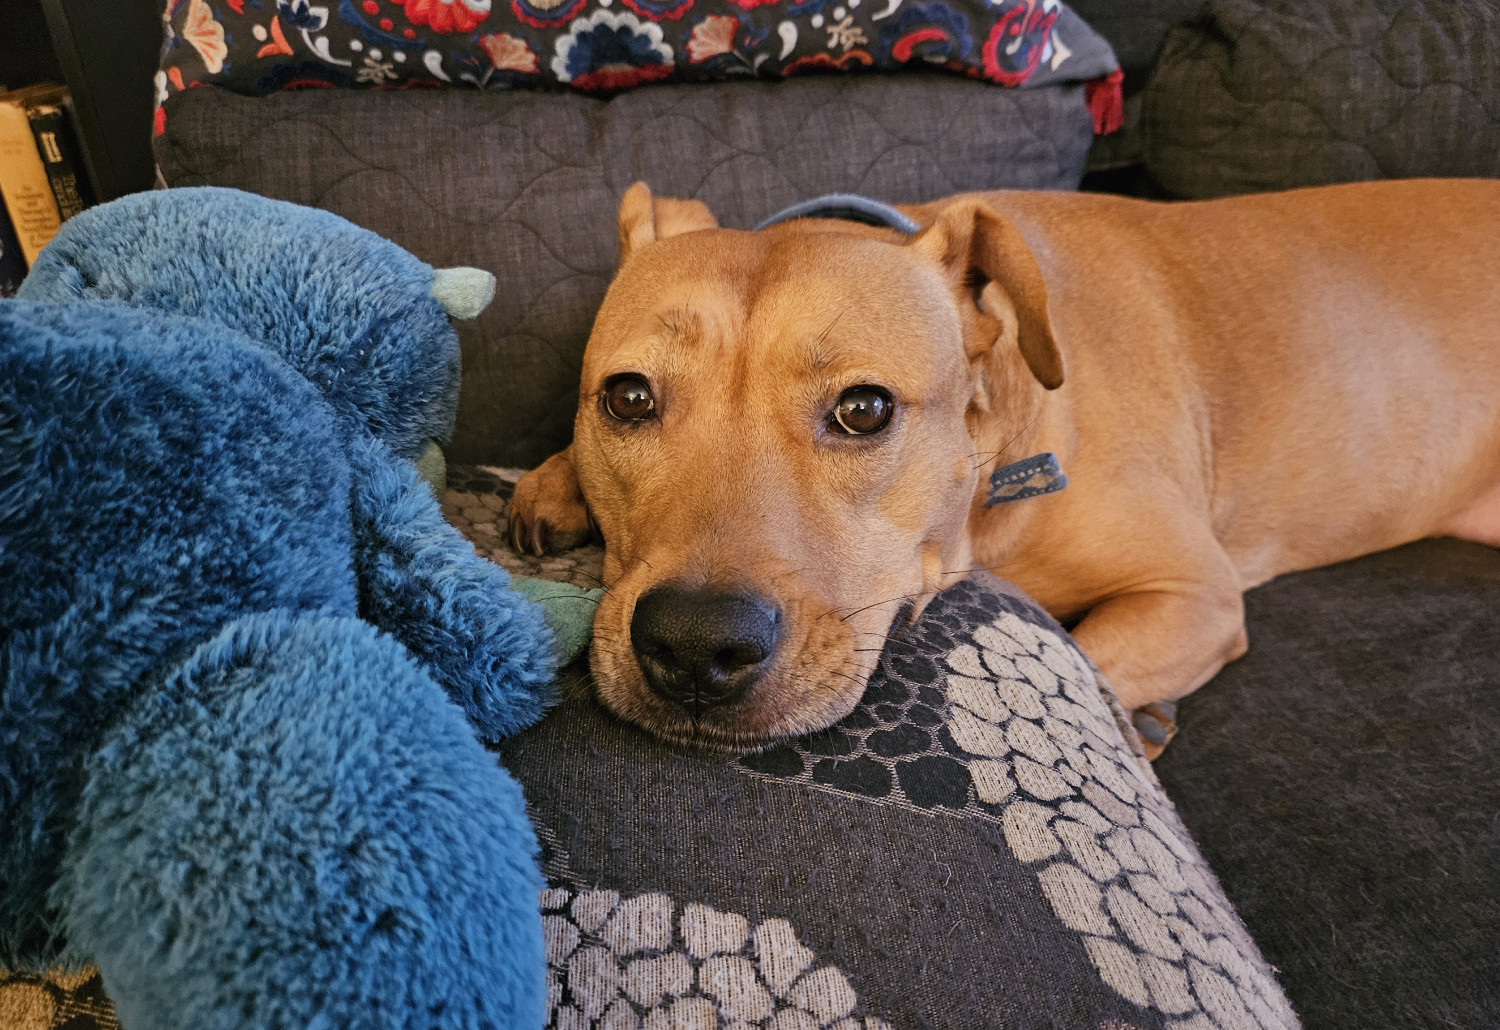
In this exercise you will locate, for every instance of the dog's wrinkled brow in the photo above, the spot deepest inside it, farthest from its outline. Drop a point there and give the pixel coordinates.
(819, 354)
(683, 324)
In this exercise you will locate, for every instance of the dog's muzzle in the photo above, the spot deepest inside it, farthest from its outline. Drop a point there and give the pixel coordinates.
(703, 648)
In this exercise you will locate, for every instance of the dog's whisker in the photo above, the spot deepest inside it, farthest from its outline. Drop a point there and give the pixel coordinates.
(888, 639)
(972, 568)
(911, 647)
(851, 677)
(823, 336)
(568, 597)
(888, 600)
(913, 650)
(996, 454)
(855, 611)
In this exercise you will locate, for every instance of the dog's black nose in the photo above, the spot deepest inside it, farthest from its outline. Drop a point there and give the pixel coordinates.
(702, 648)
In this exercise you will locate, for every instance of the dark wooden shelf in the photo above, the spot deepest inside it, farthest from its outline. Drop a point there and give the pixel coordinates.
(106, 54)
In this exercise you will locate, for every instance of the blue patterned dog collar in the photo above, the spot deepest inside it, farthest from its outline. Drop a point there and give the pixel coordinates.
(1030, 477)
(849, 207)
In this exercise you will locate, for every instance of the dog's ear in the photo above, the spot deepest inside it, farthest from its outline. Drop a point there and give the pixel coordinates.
(645, 219)
(977, 247)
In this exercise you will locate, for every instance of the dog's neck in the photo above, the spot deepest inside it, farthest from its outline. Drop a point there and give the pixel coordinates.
(1015, 429)
(1013, 421)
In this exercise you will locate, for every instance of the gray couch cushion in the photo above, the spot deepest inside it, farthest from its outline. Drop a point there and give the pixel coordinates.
(525, 184)
(1270, 94)
(1135, 29)
(1343, 779)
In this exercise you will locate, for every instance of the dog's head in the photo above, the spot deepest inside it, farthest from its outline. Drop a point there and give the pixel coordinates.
(775, 435)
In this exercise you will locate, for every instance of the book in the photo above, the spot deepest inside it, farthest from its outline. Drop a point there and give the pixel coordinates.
(24, 185)
(57, 143)
(12, 263)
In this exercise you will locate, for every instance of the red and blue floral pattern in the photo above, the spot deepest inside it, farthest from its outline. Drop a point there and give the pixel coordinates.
(546, 14)
(1018, 41)
(660, 10)
(610, 51)
(932, 32)
(445, 15)
(261, 46)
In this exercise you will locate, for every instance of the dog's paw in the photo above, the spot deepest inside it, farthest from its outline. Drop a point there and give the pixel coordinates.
(547, 513)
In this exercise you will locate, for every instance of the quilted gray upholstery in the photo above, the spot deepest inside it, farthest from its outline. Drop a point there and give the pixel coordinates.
(1134, 29)
(1271, 94)
(1343, 780)
(525, 184)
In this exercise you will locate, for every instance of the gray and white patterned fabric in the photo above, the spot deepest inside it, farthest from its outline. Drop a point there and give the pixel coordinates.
(1252, 95)
(525, 184)
(979, 844)
(646, 962)
(476, 501)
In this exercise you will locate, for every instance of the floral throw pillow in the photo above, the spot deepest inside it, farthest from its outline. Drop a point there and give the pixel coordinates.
(261, 46)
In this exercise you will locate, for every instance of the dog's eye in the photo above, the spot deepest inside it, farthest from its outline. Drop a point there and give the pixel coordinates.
(627, 398)
(861, 410)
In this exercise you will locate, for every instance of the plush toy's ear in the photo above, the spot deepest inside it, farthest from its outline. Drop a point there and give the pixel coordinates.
(645, 219)
(463, 292)
(976, 246)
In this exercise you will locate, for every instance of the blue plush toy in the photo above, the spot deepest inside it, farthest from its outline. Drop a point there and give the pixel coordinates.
(244, 664)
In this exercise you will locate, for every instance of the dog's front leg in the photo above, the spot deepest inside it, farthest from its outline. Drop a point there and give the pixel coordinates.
(1163, 641)
(547, 512)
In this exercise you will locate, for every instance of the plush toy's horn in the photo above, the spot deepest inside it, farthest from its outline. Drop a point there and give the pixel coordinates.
(463, 292)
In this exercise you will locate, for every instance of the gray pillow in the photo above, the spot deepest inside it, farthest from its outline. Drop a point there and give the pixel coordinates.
(525, 184)
(979, 844)
(1135, 30)
(1270, 94)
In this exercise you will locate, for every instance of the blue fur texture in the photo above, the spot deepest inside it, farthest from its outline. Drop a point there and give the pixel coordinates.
(244, 664)
(421, 581)
(298, 805)
(136, 451)
(351, 312)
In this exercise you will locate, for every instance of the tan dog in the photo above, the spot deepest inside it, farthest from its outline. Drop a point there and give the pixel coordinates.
(786, 437)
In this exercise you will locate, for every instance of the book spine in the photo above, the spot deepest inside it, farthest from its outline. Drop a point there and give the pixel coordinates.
(54, 142)
(23, 184)
(12, 263)
(88, 184)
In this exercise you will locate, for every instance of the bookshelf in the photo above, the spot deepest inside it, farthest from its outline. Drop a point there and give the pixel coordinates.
(105, 52)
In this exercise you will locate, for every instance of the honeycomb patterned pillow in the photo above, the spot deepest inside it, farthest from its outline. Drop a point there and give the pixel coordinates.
(980, 843)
